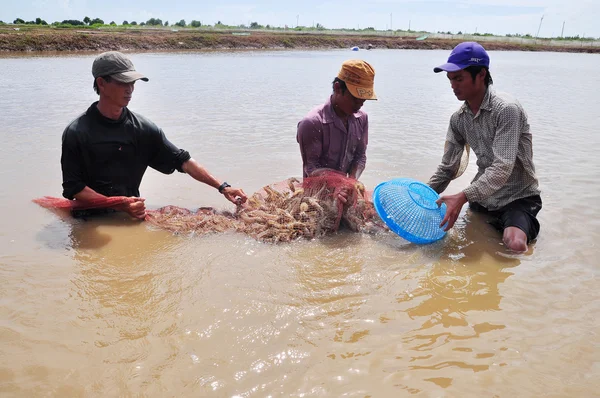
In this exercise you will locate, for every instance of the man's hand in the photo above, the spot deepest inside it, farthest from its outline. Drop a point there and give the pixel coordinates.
(235, 195)
(343, 194)
(454, 204)
(136, 208)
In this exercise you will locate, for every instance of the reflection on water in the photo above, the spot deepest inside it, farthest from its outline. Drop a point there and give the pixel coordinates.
(448, 301)
(114, 307)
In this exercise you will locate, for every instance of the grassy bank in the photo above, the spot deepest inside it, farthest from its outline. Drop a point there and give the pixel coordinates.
(69, 40)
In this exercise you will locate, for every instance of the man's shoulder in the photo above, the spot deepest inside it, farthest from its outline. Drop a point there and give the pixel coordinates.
(361, 115)
(142, 123)
(316, 114)
(458, 113)
(140, 119)
(80, 123)
(500, 100)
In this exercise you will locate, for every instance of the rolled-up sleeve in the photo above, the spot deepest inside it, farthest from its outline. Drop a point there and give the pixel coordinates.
(310, 139)
(168, 157)
(453, 150)
(505, 148)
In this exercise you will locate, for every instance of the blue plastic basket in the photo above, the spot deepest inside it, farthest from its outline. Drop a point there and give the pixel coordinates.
(408, 207)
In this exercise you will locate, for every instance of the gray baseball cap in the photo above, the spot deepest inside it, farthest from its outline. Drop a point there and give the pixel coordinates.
(117, 66)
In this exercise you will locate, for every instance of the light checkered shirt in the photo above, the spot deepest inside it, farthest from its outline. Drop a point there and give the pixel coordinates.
(499, 135)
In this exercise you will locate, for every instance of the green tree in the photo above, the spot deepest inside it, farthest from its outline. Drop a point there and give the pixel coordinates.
(166, 23)
(113, 23)
(125, 23)
(195, 24)
(154, 21)
(255, 25)
(18, 21)
(86, 20)
(73, 22)
(133, 23)
(142, 23)
(180, 23)
(96, 21)
(320, 27)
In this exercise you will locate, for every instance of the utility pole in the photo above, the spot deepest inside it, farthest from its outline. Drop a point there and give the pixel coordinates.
(563, 30)
(539, 27)
(297, 18)
(391, 22)
(409, 25)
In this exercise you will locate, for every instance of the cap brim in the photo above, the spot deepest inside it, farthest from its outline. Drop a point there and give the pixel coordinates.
(448, 67)
(129, 77)
(366, 93)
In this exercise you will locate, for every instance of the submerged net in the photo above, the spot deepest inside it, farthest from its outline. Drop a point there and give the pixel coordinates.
(279, 212)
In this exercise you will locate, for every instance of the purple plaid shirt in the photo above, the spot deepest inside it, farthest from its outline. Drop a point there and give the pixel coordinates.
(325, 142)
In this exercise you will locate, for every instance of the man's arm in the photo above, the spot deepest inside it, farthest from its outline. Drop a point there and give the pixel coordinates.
(453, 150)
(310, 138)
(71, 164)
(168, 158)
(136, 208)
(360, 157)
(505, 148)
(199, 173)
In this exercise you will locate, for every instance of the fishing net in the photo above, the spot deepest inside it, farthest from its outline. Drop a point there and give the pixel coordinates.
(51, 202)
(280, 212)
(464, 161)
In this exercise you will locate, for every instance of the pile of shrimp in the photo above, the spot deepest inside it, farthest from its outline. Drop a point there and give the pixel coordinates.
(283, 212)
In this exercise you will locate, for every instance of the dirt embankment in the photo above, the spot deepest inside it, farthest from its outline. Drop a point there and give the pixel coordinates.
(68, 40)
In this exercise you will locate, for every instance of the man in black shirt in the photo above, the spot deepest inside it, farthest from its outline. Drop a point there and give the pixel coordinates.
(106, 151)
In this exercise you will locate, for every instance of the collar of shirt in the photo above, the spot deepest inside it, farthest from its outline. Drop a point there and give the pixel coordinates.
(486, 103)
(95, 112)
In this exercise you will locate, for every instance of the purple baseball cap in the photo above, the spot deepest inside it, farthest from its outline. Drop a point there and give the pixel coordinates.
(464, 55)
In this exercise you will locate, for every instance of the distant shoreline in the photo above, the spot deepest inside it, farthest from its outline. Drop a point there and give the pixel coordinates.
(73, 40)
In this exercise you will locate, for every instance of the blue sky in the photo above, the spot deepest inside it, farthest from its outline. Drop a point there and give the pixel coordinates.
(581, 17)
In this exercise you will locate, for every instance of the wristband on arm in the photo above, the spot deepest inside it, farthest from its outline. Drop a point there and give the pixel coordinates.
(223, 186)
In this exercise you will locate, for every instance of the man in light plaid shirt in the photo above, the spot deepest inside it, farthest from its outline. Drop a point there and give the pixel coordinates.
(495, 125)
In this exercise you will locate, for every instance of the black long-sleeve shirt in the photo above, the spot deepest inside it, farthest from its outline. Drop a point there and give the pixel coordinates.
(111, 156)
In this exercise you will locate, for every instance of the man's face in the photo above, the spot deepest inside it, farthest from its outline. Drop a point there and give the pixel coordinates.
(348, 103)
(463, 85)
(116, 92)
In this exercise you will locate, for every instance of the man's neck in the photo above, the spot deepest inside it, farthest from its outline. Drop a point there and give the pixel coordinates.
(343, 116)
(108, 110)
(475, 103)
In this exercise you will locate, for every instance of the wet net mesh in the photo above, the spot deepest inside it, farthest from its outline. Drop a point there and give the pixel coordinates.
(464, 160)
(280, 212)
